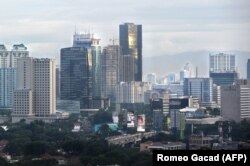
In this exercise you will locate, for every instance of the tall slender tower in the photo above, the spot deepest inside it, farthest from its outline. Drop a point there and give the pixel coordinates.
(131, 44)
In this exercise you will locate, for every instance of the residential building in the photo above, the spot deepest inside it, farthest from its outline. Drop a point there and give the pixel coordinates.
(8, 60)
(36, 88)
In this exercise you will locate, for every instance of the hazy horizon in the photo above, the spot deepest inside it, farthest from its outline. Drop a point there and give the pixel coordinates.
(170, 27)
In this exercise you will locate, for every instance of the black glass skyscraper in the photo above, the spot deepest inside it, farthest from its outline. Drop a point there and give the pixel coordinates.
(131, 44)
(76, 75)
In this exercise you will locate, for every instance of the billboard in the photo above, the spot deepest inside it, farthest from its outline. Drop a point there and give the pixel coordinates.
(141, 123)
(130, 119)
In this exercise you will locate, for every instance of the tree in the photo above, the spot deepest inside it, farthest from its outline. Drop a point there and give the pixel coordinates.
(102, 117)
(35, 148)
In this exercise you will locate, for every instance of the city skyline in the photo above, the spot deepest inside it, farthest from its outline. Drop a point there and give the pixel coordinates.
(170, 27)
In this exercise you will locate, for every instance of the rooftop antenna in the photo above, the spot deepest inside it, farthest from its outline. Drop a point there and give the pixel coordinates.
(113, 40)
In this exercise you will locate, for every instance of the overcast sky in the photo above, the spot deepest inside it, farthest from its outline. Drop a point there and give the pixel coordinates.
(169, 26)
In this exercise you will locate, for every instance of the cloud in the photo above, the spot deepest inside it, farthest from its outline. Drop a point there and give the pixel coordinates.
(169, 26)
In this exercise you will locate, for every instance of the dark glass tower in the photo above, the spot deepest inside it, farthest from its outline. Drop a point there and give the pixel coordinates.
(248, 69)
(131, 44)
(76, 75)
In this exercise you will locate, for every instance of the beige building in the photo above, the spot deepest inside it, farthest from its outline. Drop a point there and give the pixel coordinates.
(235, 101)
(131, 92)
(36, 88)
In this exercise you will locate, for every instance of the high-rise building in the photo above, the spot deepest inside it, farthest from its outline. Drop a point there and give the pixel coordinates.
(222, 62)
(81, 70)
(235, 101)
(57, 82)
(76, 75)
(222, 69)
(248, 69)
(201, 88)
(131, 92)
(36, 88)
(110, 70)
(151, 77)
(131, 44)
(89, 41)
(8, 60)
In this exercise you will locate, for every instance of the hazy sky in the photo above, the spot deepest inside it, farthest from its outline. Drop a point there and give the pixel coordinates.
(169, 26)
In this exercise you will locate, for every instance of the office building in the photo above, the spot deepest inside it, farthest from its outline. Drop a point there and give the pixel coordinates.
(8, 60)
(222, 69)
(81, 70)
(89, 41)
(76, 75)
(248, 69)
(131, 92)
(156, 105)
(222, 79)
(222, 62)
(131, 44)
(36, 88)
(110, 70)
(201, 88)
(235, 101)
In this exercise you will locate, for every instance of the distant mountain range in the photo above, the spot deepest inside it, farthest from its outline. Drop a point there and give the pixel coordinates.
(164, 64)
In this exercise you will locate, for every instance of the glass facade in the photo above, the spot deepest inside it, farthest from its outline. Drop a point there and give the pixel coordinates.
(224, 78)
(131, 44)
(76, 75)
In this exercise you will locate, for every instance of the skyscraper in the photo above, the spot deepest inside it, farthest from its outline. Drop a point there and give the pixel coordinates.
(248, 69)
(81, 72)
(36, 88)
(89, 41)
(76, 75)
(8, 72)
(110, 70)
(201, 88)
(222, 69)
(131, 44)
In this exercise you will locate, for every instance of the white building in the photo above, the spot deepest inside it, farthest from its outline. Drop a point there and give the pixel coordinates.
(36, 88)
(8, 60)
(131, 92)
(222, 62)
